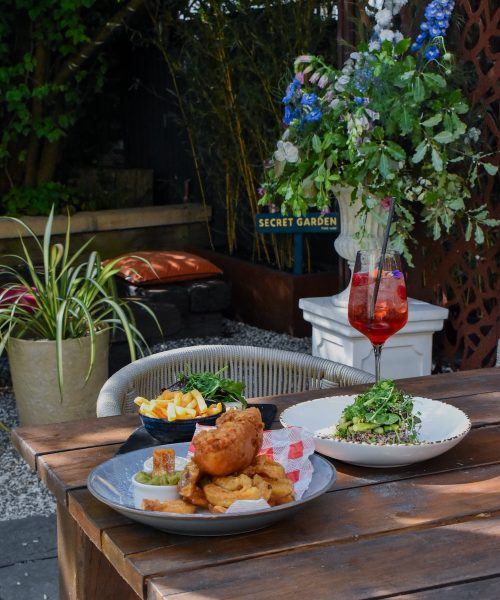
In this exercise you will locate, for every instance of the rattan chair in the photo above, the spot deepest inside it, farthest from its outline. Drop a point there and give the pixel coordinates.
(265, 372)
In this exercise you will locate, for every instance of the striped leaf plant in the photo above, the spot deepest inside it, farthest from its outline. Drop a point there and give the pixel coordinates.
(56, 295)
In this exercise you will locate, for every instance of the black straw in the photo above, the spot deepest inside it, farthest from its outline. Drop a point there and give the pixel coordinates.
(385, 241)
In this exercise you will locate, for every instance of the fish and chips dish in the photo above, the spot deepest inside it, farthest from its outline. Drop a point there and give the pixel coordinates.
(226, 467)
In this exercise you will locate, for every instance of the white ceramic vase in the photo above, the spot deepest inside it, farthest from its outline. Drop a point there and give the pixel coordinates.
(345, 245)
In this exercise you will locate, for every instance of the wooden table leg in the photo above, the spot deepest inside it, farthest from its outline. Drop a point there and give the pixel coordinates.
(84, 572)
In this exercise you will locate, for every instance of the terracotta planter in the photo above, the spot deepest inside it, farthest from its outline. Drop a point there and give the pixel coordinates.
(34, 379)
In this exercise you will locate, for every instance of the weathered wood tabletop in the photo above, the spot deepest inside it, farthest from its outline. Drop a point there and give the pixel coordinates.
(427, 531)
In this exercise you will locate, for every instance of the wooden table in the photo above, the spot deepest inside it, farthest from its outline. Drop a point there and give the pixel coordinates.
(427, 531)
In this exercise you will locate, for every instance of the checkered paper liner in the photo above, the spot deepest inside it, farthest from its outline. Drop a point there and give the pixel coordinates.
(291, 447)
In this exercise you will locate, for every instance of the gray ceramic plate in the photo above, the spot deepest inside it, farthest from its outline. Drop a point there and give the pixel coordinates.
(110, 483)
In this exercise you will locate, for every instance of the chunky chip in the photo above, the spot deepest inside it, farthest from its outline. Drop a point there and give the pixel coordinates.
(176, 405)
(263, 479)
(172, 506)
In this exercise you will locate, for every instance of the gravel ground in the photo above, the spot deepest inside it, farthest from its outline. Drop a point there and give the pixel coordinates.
(21, 492)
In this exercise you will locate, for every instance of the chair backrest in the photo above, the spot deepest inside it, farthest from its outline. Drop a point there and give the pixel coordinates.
(265, 372)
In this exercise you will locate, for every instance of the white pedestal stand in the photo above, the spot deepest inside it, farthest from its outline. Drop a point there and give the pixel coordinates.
(408, 353)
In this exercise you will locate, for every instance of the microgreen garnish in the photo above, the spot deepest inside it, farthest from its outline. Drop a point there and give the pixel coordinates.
(383, 414)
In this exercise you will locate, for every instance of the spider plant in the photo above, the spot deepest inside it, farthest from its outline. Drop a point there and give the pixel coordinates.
(64, 296)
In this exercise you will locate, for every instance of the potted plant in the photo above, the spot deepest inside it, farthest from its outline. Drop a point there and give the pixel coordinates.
(55, 320)
(389, 126)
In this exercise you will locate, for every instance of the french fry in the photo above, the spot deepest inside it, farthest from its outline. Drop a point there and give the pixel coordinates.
(140, 401)
(161, 403)
(202, 405)
(177, 399)
(182, 411)
(158, 412)
(171, 412)
(214, 409)
(176, 405)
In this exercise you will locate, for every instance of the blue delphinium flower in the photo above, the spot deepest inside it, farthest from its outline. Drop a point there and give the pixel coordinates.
(437, 19)
(310, 108)
(363, 76)
(292, 93)
(290, 114)
(314, 114)
(431, 53)
(309, 99)
(307, 108)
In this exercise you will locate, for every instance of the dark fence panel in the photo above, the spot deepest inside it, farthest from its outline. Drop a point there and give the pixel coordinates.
(454, 273)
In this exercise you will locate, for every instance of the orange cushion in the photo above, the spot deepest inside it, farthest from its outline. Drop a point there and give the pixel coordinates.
(168, 265)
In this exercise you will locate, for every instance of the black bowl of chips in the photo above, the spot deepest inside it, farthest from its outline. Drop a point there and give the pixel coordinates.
(180, 430)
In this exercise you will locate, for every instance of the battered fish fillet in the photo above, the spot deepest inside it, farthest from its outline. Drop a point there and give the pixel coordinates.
(232, 446)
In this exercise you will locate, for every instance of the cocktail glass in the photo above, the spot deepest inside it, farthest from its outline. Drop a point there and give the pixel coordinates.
(378, 305)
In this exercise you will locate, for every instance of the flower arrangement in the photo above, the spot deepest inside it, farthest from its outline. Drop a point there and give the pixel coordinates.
(388, 124)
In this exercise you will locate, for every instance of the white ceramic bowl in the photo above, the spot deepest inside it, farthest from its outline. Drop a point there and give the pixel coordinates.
(144, 491)
(442, 427)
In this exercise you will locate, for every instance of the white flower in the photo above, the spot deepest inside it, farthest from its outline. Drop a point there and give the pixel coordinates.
(398, 5)
(374, 45)
(303, 58)
(386, 34)
(286, 152)
(329, 95)
(474, 134)
(361, 122)
(323, 80)
(372, 114)
(347, 68)
(334, 103)
(383, 17)
(341, 83)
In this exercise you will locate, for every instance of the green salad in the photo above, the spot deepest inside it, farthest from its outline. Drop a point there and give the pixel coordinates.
(211, 386)
(382, 415)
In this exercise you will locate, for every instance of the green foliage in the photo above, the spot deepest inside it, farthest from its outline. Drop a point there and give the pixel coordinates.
(212, 386)
(40, 199)
(68, 297)
(392, 125)
(227, 59)
(41, 97)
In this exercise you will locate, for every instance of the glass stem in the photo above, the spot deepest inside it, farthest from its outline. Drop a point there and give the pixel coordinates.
(377, 351)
